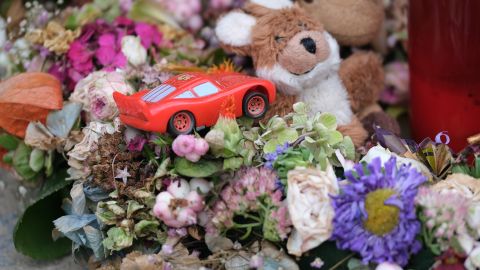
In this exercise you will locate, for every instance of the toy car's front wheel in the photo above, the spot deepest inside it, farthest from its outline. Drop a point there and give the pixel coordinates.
(255, 105)
(181, 123)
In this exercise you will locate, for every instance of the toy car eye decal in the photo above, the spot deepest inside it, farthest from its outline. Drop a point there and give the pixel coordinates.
(205, 89)
(159, 93)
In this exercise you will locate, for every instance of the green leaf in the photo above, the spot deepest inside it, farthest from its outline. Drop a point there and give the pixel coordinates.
(300, 108)
(118, 239)
(232, 163)
(21, 160)
(33, 233)
(8, 142)
(8, 157)
(145, 226)
(37, 160)
(329, 121)
(280, 138)
(422, 260)
(202, 168)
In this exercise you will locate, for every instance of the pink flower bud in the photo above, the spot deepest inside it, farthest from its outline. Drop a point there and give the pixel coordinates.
(183, 145)
(186, 216)
(195, 201)
(201, 146)
(164, 197)
(179, 188)
(256, 261)
(193, 157)
(162, 211)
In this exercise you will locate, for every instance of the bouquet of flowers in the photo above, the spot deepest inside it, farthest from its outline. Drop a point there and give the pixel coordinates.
(288, 192)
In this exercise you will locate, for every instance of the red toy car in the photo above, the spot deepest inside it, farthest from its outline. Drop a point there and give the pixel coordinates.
(192, 100)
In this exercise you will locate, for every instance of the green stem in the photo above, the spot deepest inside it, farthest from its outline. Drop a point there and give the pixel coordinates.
(341, 262)
(249, 225)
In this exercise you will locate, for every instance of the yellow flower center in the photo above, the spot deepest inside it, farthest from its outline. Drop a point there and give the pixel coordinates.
(382, 218)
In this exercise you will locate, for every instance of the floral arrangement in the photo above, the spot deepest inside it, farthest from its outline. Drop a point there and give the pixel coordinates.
(287, 192)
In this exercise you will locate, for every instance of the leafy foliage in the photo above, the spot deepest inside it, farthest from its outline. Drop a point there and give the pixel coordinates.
(33, 233)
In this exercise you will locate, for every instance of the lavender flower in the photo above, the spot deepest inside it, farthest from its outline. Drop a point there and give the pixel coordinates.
(270, 158)
(375, 212)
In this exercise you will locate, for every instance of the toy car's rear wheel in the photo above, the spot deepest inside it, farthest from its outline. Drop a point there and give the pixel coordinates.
(181, 123)
(255, 105)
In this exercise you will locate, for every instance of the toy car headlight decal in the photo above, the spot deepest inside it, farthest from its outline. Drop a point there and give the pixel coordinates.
(159, 93)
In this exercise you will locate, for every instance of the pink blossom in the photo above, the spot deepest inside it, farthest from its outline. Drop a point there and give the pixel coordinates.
(136, 144)
(148, 34)
(183, 145)
(179, 205)
(190, 147)
(256, 261)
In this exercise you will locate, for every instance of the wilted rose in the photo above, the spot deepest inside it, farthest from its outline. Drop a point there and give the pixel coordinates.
(310, 208)
(95, 92)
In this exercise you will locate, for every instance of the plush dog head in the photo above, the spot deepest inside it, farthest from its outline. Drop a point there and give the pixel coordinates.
(287, 46)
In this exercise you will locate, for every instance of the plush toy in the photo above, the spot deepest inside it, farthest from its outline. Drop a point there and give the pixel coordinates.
(350, 22)
(357, 23)
(293, 50)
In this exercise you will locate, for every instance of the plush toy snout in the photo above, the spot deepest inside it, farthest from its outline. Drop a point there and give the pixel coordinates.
(304, 51)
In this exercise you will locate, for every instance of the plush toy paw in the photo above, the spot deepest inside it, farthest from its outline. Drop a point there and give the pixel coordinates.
(355, 131)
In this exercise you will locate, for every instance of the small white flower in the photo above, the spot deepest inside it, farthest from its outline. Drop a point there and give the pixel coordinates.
(123, 174)
(134, 51)
(473, 260)
(388, 266)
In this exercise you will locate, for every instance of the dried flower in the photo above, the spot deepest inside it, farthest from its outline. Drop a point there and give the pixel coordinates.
(375, 212)
(462, 184)
(95, 92)
(54, 37)
(310, 208)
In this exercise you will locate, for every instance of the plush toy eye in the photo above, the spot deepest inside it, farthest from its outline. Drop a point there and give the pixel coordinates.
(279, 38)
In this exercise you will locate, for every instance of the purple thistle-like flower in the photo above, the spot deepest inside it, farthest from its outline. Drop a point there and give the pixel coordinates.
(375, 212)
(270, 158)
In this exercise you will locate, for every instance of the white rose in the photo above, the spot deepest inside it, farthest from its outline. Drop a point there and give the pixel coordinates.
(134, 51)
(310, 208)
(385, 154)
(473, 217)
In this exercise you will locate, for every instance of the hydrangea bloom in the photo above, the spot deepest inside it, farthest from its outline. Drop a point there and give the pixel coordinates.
(375, 212)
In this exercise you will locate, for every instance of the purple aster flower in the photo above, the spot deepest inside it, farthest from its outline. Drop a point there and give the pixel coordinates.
(375, 212)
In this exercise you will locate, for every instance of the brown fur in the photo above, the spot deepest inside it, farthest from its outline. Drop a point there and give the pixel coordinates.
(355, 131)
(283, 24)
(283, 105)
(363, 77)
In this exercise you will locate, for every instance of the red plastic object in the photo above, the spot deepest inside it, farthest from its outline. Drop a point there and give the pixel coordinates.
(444, 59)
(192, 100)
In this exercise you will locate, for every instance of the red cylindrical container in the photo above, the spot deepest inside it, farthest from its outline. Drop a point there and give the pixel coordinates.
(444, 59)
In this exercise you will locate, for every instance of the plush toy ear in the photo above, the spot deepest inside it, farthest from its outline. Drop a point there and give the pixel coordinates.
(273, 4)
(234, 30)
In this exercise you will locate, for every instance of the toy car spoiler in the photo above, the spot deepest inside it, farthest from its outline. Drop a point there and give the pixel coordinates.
(131, 106)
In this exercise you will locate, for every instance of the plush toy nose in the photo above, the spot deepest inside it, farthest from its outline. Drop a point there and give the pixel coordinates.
(309, 45)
